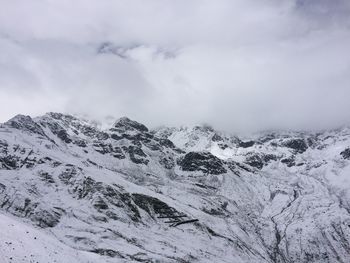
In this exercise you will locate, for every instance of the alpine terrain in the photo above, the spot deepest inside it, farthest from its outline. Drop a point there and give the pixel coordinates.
(72, 191)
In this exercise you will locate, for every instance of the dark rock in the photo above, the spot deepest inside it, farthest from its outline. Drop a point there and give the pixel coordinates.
(205, 186)
(74, 124)
(267, 138)
(167, 162)
(63, 135)
(80, 143)
(25, 123)
(29, 162)
(87, 187)
(45, 160)
(214, 212)
(58, 130)
(59, 116)
(223, 146)
(47, 218)
(68, 174)
(136, 155)
(108, 148)
(311, 142)
(112, 215)
(99, 203)
(107, 252)
(105, 198)
(346, 153)
(102, 136)
(118, 153)
(116, 137)
(154, 143)
(246, 144)
(123, 200)
(102, 147)
(255, 160)
(89, 131)
(154, 146)
(46, 177)
(298, 145)
(3, 147)
(150, 204)
(233, 166)
(269, 157)
(202, 161)
(9, 162)
(142, 257)
(145, 137)
(125, 124)
(92, 162)
(206, 128)
(259, 160)
(216, 138)
(290, 161)
(2, 188)
(167, 143)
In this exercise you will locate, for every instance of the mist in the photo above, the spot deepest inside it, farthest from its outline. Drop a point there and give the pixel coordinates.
(238, 65)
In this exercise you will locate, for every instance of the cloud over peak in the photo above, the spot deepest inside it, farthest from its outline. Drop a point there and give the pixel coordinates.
(240, 65)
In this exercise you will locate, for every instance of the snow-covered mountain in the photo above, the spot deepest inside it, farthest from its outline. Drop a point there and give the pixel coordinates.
(73, 192)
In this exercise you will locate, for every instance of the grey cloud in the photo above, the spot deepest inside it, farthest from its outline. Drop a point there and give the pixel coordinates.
(325, 12)
(240, 65)
(324, 7)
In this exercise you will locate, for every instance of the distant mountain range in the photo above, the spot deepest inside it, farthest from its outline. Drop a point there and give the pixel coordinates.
(73, 192)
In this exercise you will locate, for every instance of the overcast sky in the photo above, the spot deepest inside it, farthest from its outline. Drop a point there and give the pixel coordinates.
(236, 64)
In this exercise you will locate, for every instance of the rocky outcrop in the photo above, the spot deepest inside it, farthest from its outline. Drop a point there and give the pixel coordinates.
(298, 145)
(259, 160)
(202, 161)
(25, 123)
(346, 153)
(125, 124)
(246, 144)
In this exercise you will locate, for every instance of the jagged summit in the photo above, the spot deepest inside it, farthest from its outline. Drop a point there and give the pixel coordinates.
(24, 123)
(60, 116)
(125, 124)
(187, 194)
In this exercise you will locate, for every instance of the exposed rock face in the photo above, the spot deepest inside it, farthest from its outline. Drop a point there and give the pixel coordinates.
(202, 161)
(150, 204)
(259, 160)
(136, 155)
(25, 123)
(276, 197)
(125, 124)
(299, 145)
(290, 161)
(346, 153)
(246, 144)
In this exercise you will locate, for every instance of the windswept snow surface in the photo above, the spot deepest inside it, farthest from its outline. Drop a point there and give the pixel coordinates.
(20, 242)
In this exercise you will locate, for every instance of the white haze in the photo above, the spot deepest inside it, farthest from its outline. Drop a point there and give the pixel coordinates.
(236, 64)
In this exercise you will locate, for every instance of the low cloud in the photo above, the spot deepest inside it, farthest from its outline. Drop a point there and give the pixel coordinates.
(239, 65)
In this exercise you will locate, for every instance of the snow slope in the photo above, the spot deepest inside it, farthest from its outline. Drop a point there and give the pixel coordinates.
(20, 242)
(124, 193)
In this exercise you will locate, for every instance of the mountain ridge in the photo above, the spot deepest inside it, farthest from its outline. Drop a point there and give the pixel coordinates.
(277, 197)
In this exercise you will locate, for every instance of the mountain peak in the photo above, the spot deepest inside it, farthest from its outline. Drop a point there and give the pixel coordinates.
(60, 116)
(25, 123)
(206, 128)
(126, 124)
